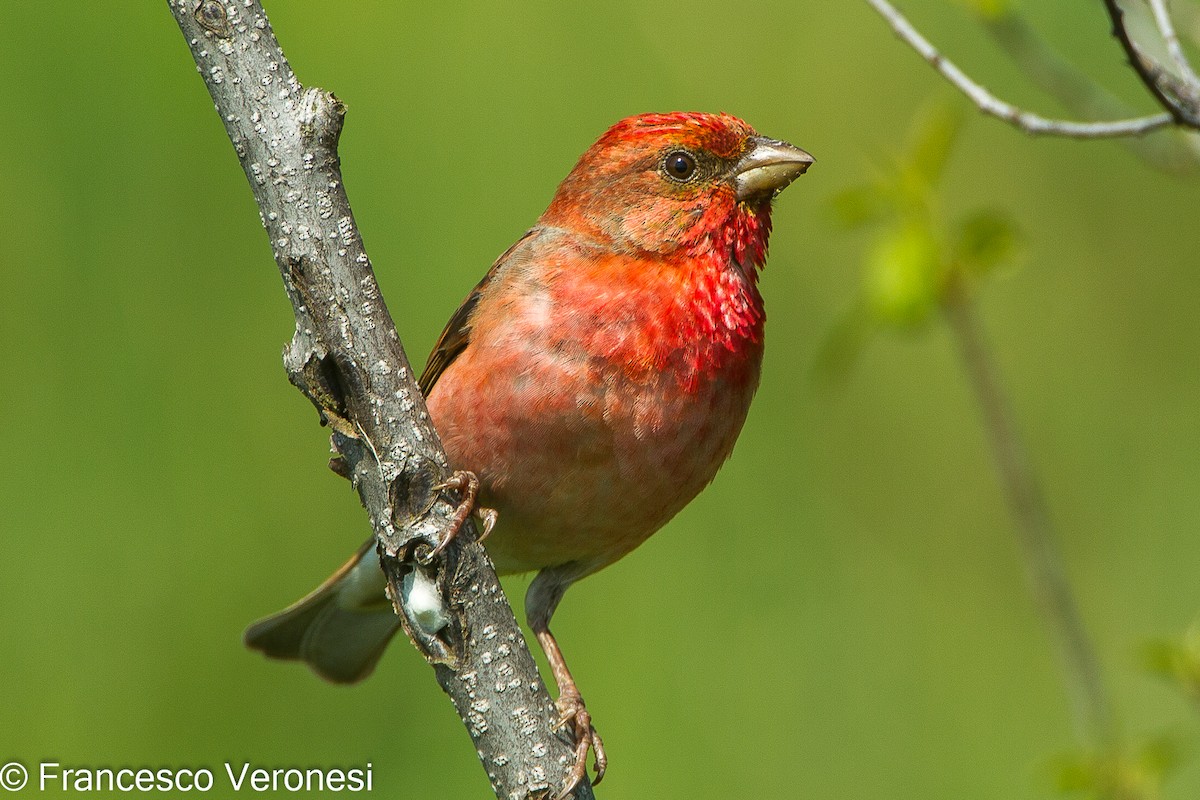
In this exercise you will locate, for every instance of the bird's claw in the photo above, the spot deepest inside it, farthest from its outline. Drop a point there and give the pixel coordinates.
(574, 713)
(467, 483)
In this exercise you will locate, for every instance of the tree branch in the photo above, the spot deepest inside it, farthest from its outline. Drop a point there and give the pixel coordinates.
(988, 103)
(1090, 705)
(1083, 97)
(1181, 100)
(346, 357)
(1162, 18)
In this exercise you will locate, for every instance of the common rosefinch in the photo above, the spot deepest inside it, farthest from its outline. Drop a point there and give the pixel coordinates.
(594, 380)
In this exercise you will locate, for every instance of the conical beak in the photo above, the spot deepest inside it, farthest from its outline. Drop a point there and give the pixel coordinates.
(768, 168)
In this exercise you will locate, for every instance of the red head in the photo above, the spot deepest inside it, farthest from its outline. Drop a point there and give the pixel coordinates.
(686, 183)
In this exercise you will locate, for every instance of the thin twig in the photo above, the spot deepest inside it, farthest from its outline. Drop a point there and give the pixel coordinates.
(346, 357)
(1162, 18)
(1153, 77)
(988, 103)
(1090, 704)
(1178, 151)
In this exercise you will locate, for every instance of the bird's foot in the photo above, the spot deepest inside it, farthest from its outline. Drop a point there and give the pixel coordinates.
(467, 483)
(575, 714)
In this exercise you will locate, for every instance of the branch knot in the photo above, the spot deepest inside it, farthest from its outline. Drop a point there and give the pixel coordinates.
(212, 17)
(321, 118)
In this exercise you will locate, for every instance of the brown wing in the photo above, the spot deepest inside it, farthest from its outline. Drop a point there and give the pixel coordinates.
(457, 333)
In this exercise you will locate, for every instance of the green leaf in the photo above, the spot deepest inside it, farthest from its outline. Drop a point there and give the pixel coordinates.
(1161, 657)
(989, 9)
(984, 241)
(904, 276)
(1075, 774)
(1120, 776)
(933, 138)
(1178, 661)
(1161, 756)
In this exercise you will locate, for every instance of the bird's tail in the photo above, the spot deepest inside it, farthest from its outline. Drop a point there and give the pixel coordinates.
(340, 629)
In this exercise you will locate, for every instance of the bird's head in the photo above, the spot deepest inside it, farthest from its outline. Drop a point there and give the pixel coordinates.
(679, 183)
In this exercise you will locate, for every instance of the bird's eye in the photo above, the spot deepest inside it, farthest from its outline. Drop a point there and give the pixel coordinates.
(680, 165)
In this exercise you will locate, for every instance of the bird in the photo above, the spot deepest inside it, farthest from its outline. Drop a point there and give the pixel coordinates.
(592, 383)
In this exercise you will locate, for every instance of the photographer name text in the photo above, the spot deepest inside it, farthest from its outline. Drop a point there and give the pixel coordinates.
(238, 777)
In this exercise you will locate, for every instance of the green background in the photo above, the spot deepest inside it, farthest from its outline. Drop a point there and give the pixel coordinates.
(843, 614)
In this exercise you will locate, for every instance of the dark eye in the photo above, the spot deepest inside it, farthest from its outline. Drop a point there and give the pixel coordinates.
(680, 165)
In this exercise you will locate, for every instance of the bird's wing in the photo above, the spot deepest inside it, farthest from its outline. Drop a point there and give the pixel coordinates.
(457, 333)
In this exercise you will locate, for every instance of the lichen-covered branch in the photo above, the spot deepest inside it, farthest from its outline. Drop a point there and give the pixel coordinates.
(346, 357)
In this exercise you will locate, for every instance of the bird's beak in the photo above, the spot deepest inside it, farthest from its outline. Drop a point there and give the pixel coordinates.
(768, 168)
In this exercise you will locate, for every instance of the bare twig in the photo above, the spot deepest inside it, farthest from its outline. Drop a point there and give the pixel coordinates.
(346, 357)
(1048, 69)
(1176, 152)
(990, 104)
(1163, 86)
(1091, 707)
(1162, 18)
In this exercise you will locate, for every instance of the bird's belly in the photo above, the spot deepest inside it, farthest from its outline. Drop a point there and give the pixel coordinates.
(583, 459)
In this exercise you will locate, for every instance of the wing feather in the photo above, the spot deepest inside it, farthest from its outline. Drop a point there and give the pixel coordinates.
(457, 333)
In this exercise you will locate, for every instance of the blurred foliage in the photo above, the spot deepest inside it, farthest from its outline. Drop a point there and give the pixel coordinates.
(919, 262)
(1137, 777)
(916, 257)
(1177, 661)
(989, 9)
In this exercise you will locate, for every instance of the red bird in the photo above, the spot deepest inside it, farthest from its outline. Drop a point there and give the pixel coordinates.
(594, 380)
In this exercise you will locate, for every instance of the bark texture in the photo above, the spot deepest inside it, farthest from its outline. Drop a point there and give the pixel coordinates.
(347, 359)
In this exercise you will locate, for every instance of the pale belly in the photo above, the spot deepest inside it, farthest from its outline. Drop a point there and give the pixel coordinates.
(582, 461)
